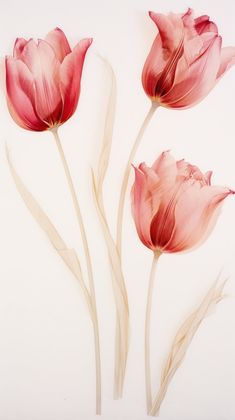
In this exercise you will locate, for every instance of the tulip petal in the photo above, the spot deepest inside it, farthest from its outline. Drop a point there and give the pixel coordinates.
(165, 165)
(59, 43)
(170, 30)
(203, 24)
(163, 223)
(145, 201)
(19, 47)
(189, 25)
(199, 207)
(208, 176)
(227, 60)
(20, 91)
(154, 65)
(199, 79)
(42, 62)
(70, 78)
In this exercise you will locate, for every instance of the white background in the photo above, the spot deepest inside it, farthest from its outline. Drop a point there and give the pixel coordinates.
(46, 342)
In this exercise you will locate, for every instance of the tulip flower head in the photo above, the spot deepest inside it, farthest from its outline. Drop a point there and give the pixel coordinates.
(174, 205)
(43, 80)
(186, 60)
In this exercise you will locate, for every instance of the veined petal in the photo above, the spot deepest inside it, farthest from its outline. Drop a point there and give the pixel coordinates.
(59, 43)
(163, 223)
(199, 80)
(208, 176)
(227, 59)
(19, 47)
(171, 30)
(203, 24)
(143, 207)
(20, 91)
(189, 25)
(42, 62)
(198, 206)
(165, 165)
(154, 65)
(70, 78)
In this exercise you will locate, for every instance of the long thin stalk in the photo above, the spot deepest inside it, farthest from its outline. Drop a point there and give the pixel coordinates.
(127, 174)
(89, 269)
(121, 298)
(147, 333)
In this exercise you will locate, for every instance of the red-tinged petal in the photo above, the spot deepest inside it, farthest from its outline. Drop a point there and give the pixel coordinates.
(165, 167)
(164, 221)
(151, 178)
(170, 29)
(227, 60)
(59, 43)
(199, 81)
(208, 176)
(171, 32)
(167, 78)
(203, 24)
(164, 164)
(44, 66)
(142, 207)
(70, 77)
(154, 65)
(19, 47)
(20, 93)
(189, 24)
(198, 206)
(188, 176)
(193, 50)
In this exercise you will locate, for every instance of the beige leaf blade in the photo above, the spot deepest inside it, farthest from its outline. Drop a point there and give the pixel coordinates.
(108, 128)
(183, 339)
(69, 256)
(120, 293)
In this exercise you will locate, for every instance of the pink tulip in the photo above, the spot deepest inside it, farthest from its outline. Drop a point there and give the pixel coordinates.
(174, 205)
(43, 80)
(186, 60)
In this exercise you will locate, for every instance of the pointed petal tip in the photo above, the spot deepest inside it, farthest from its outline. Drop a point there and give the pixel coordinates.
(151, 14)
(189, 11)
(166, 152)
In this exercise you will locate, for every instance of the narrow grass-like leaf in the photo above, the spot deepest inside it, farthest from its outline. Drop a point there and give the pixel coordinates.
(103, 161)
(120, 295)
(119, 288)
(183, 339)
(68, 255)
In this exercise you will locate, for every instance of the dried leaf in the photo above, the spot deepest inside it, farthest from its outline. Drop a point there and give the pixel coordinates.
(69, 256)
(120, 293)
(183, 339)
(108, 128)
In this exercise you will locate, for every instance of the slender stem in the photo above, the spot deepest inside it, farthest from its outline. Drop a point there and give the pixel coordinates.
(147, 333)
(89, 269)
(121, 298)
(127, 174)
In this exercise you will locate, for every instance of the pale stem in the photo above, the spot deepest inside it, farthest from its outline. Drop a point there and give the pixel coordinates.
(121, 299)
(89, 268)
(127, 174)
(147, 332)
